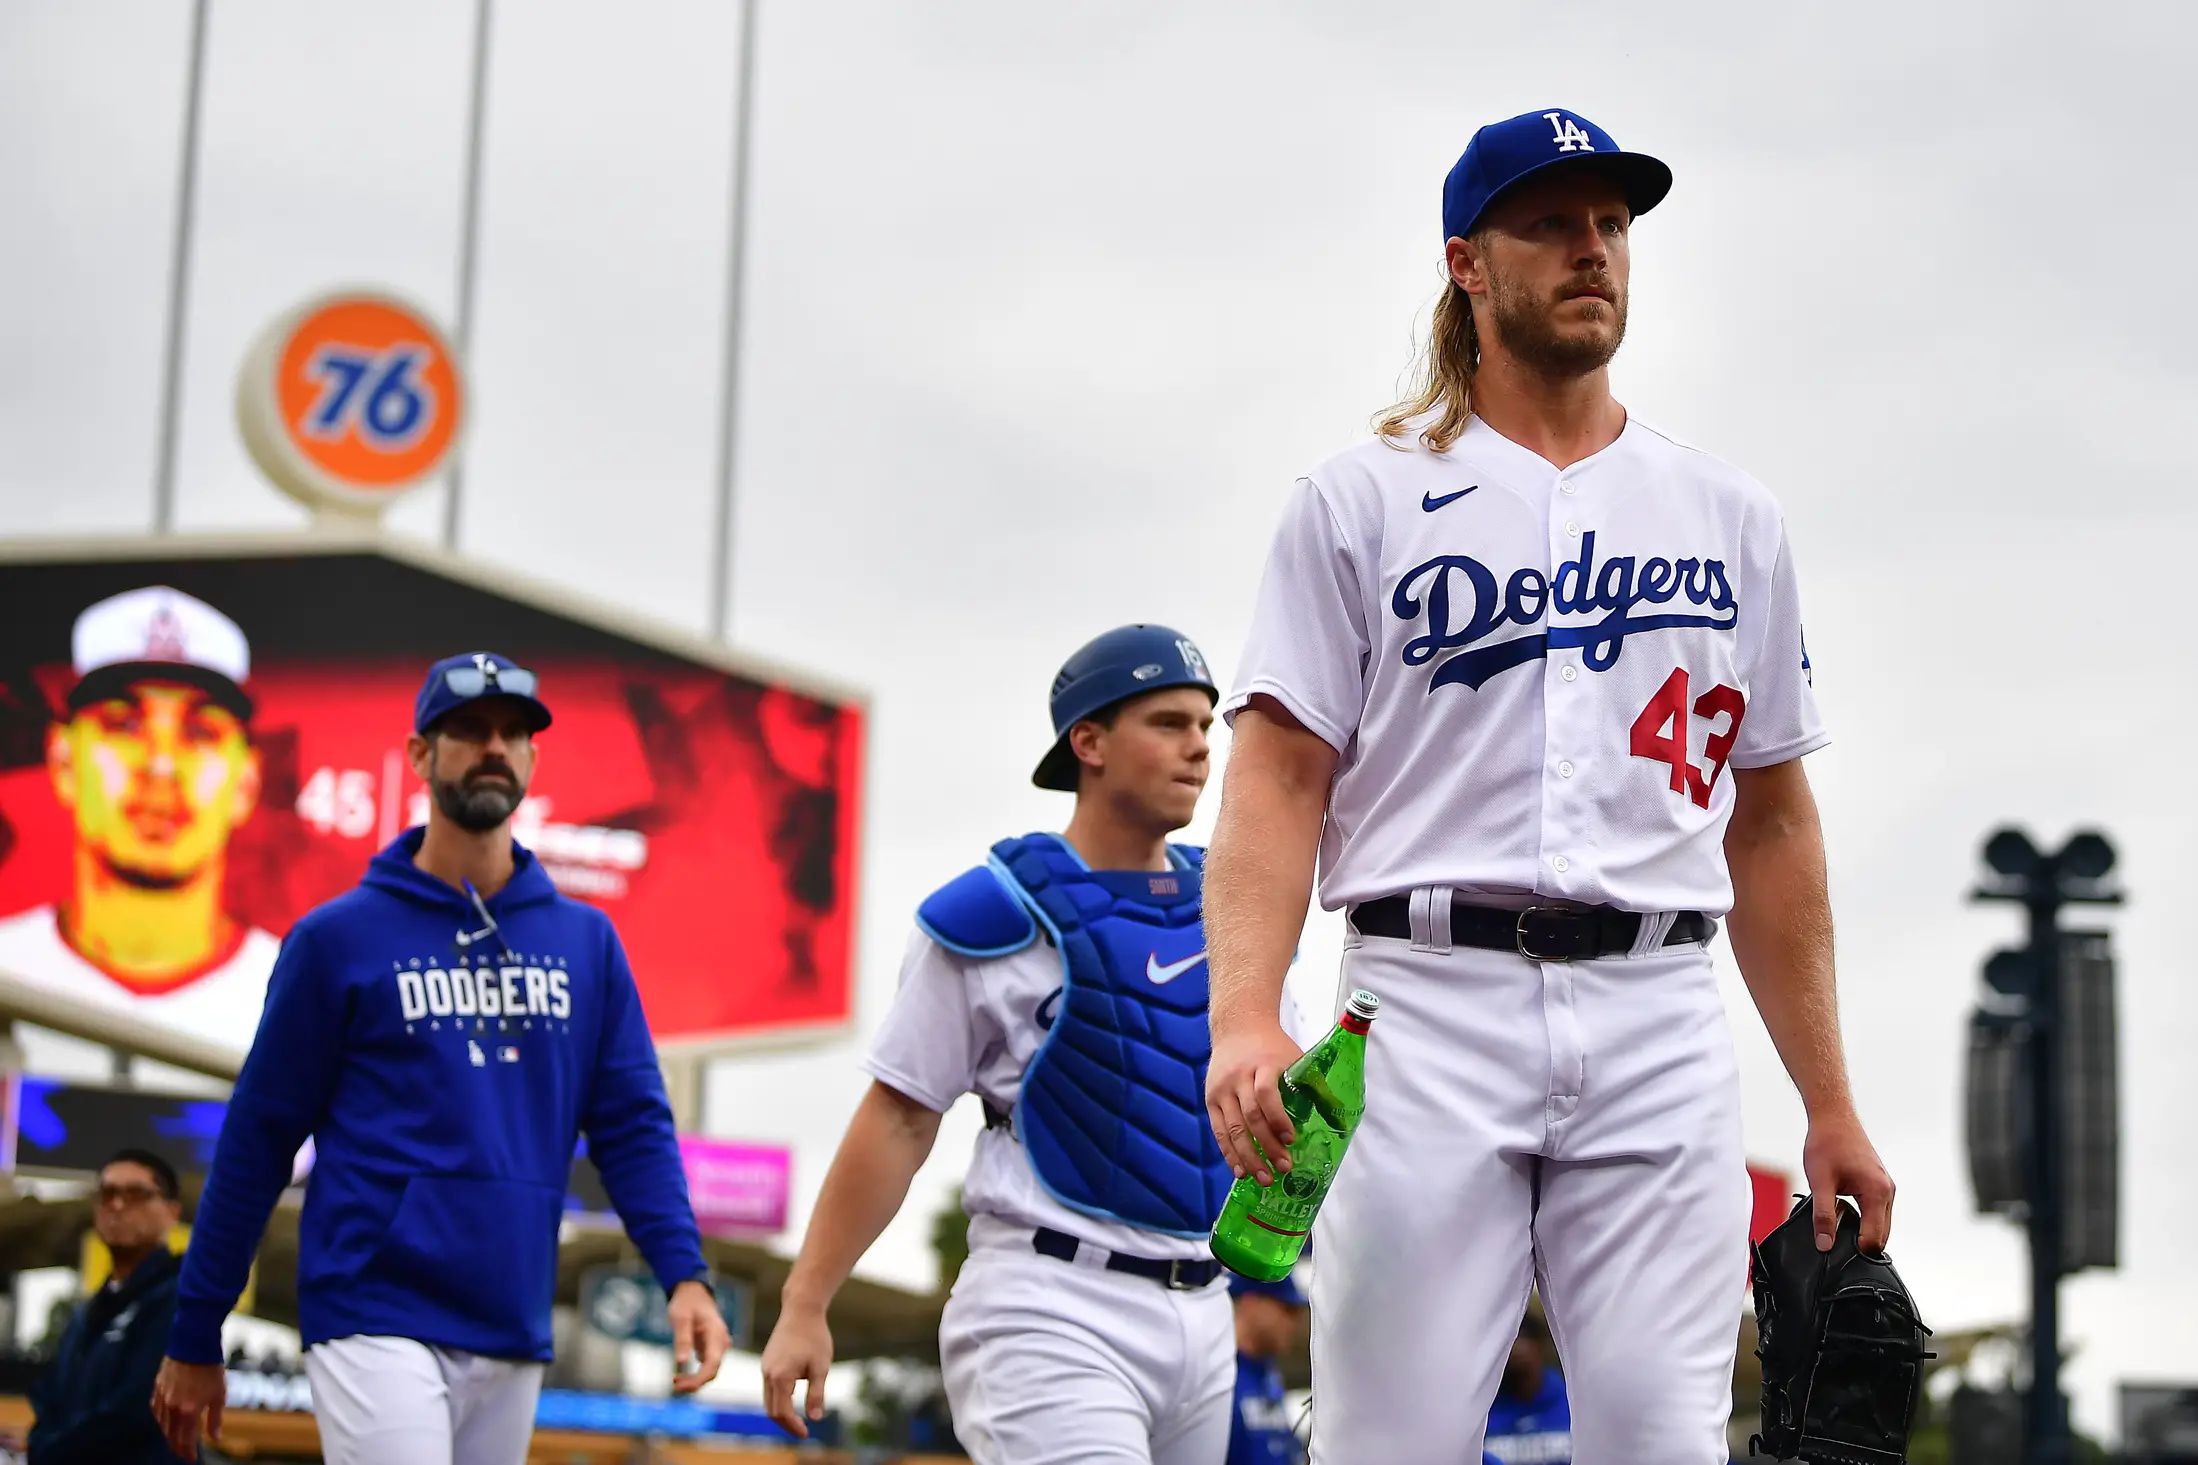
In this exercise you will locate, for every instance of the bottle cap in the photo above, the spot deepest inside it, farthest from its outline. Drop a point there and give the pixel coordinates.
(1364, 1004)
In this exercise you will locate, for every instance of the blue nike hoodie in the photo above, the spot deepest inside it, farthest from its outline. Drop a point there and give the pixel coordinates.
(445, 1067)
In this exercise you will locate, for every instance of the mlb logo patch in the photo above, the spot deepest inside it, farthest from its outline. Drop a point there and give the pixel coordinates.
(507, 1055)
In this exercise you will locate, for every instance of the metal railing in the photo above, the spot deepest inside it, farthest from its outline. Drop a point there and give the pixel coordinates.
(124, 1033)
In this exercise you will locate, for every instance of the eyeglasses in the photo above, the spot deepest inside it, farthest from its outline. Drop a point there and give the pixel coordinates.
(472, 681)
(127, 1195)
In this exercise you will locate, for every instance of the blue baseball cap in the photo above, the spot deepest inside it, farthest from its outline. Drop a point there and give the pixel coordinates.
(470, 676)
(1284, 1291)
(1504, 154)
(1126, 662)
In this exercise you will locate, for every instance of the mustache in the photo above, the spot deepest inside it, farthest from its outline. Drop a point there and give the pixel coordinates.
(486, 770)
(1596, 283)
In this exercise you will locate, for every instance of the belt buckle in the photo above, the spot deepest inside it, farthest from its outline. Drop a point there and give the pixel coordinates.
(1175, 1282)
(1553, 921)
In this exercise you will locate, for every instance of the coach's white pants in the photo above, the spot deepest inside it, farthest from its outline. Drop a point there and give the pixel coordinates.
(1576, 1123)
(392, 1401)
(1058, 1363)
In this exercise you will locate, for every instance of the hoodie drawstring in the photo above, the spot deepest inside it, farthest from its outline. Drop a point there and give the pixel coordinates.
(488, 928)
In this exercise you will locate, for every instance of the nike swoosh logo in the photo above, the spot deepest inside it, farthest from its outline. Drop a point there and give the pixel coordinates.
(1162, 975)
(1430, 503)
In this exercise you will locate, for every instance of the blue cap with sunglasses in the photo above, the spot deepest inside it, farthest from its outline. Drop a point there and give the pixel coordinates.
(456, 680)
(1504, 154)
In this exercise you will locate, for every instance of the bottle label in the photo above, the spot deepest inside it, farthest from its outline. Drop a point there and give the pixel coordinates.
(1287, 1206)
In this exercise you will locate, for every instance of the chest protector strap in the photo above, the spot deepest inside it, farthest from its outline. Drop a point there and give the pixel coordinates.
(1113, 1106)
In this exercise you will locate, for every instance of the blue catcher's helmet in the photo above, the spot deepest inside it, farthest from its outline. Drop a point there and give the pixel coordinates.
(1126, 662)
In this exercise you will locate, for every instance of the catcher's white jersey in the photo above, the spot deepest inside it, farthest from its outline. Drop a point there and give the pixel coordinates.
(971, 1025)
(1535, 679)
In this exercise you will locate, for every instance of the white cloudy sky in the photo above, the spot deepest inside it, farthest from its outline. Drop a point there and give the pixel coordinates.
(1050, 304)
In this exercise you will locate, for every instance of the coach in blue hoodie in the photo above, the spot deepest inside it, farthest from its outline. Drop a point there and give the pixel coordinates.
(444, 1034)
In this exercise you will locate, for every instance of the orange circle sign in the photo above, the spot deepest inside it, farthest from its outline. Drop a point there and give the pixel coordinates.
(350, 400)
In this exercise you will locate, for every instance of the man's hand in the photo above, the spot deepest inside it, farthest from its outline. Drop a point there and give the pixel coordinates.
(182, 1395)
(699, 1336)
(1244, 1098)
(1839, 1160)
(800, 1348)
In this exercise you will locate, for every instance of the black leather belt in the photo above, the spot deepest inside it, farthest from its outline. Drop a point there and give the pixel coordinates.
(1181, 1275)
(1541, 932)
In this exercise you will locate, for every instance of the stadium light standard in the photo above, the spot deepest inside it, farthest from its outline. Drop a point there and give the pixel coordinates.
(2029, 981)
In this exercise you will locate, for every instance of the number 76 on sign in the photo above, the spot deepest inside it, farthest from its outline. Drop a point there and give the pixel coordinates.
(378, 394)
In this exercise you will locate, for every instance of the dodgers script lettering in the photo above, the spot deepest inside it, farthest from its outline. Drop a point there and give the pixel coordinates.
(1464, 605)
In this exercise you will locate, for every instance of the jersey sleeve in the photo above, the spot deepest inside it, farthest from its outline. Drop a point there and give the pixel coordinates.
(930, 1043)
(1309, 646)
(1781, 722)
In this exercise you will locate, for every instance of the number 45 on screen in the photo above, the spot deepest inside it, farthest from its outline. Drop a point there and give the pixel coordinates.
(341, 802)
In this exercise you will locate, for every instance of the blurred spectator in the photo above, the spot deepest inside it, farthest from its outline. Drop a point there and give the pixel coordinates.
(94, 1403)
(1530, 1422)
(1269, 1316)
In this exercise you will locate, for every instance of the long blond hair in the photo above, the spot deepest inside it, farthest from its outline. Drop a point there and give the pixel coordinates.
(1444, 378)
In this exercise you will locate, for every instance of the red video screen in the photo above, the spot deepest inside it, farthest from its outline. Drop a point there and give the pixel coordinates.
(155, 845)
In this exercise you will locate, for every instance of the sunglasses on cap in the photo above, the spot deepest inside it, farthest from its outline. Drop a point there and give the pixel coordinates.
(475, 681)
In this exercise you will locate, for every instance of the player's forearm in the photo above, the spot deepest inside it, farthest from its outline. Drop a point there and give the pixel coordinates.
(1259, 872)
(635, 1149)
(252, 1161)
(886, 1143)
(1781, 930)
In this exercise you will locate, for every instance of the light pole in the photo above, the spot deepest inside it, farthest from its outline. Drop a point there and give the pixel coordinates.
(2029, 979)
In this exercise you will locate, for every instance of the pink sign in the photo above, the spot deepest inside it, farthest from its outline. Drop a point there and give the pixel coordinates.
(737, 1187)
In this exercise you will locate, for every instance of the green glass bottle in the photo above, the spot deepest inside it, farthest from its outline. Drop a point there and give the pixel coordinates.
(1262, 1228)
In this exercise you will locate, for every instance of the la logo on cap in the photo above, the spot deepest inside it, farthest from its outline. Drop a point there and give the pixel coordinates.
(1571, 137)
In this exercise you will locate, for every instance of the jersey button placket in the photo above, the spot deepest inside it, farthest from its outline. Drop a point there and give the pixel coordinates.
(1570, 706)
(1562, 713)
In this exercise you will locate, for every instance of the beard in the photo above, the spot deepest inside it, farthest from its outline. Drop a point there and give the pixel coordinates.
(476, 804)
(1526, 328)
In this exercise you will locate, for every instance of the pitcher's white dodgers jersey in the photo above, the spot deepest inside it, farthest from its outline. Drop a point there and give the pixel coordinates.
(1535, 679)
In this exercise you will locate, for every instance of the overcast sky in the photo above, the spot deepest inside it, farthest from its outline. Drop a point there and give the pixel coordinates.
(1048, 307)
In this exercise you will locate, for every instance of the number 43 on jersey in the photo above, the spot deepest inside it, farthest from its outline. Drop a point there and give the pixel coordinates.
(1660, 733)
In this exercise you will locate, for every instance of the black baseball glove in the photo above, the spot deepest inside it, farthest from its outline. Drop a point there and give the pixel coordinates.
(1841, 1345)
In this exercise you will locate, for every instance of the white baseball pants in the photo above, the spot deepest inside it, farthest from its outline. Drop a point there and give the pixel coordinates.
(1575, 1124)
(1060, 1363)
(393, 1401)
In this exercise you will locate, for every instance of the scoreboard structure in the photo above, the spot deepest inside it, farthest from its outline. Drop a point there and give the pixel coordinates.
(708, 801)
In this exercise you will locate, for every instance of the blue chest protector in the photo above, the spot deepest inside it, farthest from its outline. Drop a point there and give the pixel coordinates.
(1113, 1107)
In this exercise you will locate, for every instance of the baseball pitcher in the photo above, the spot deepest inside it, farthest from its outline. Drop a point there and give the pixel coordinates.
(1527, 674)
